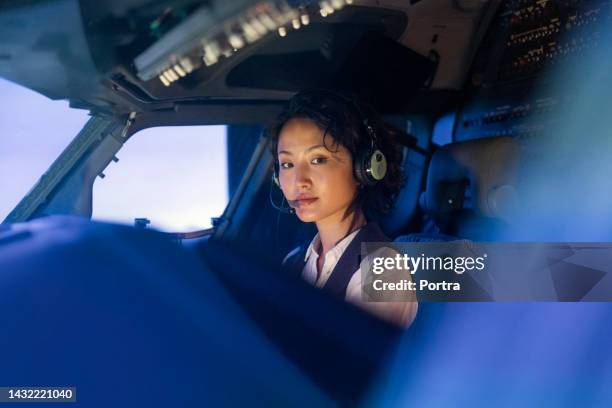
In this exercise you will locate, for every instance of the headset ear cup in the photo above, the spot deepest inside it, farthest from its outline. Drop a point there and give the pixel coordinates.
(377, 165)
(370, 167)
(360, 168)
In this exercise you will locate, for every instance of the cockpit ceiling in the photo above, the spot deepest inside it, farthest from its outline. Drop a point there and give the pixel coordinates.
(143, 55)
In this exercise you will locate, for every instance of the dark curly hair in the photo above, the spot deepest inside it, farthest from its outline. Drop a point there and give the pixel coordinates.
(344, 118)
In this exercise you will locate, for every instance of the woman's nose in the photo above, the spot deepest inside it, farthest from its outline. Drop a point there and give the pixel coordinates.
(302, 177)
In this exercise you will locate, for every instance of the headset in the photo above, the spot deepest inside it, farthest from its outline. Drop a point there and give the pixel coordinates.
(369, 165)
(282, 208)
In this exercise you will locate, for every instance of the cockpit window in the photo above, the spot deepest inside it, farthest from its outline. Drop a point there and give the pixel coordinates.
(34, 130)
(170, 178)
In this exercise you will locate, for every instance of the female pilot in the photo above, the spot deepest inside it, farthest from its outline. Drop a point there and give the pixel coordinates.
(337, 166)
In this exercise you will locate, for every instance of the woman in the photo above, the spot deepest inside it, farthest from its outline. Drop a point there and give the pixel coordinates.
(337, 166)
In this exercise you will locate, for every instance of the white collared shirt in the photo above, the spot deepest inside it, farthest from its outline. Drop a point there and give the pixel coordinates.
(401, 313)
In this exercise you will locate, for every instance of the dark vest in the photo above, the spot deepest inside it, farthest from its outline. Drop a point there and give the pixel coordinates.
(347, 264)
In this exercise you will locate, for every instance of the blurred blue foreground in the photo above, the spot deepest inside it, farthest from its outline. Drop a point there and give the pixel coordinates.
(132, 319)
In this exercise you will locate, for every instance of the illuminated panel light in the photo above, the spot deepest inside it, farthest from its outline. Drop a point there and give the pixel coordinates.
(295, 23)
(277, 17)
(349, 2)
(285, 15)
(326, 7)
(290, 14)
(210, 60)
(282, 31)
(250, 34)
(212, 48)
(167, 76)
(172, 74)
(305, 18)
(211, 53)
(258, 26)
(164, 80)
(235, 41)
(179, 70)
(337, 4)
(267, 21)
(227, 52)
(186, 64)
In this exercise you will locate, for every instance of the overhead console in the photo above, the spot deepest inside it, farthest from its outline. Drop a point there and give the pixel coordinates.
(194, 52)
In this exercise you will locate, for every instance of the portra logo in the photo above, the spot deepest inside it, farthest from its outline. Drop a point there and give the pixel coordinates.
(457, 264)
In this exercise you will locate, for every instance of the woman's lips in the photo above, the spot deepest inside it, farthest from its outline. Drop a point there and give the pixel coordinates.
(302, 202)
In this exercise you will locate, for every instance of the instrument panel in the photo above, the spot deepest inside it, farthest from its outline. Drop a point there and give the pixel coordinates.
(514, 87)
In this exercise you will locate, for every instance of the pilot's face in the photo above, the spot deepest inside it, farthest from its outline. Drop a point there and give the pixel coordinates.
(318, 183)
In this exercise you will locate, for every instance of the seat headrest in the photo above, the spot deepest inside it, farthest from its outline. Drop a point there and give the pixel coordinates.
(476, 176)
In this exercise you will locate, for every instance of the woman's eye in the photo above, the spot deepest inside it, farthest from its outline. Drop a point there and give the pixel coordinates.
(286, 165)
(319, 160)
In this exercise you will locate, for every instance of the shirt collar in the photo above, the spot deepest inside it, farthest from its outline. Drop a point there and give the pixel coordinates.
(339, 247)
